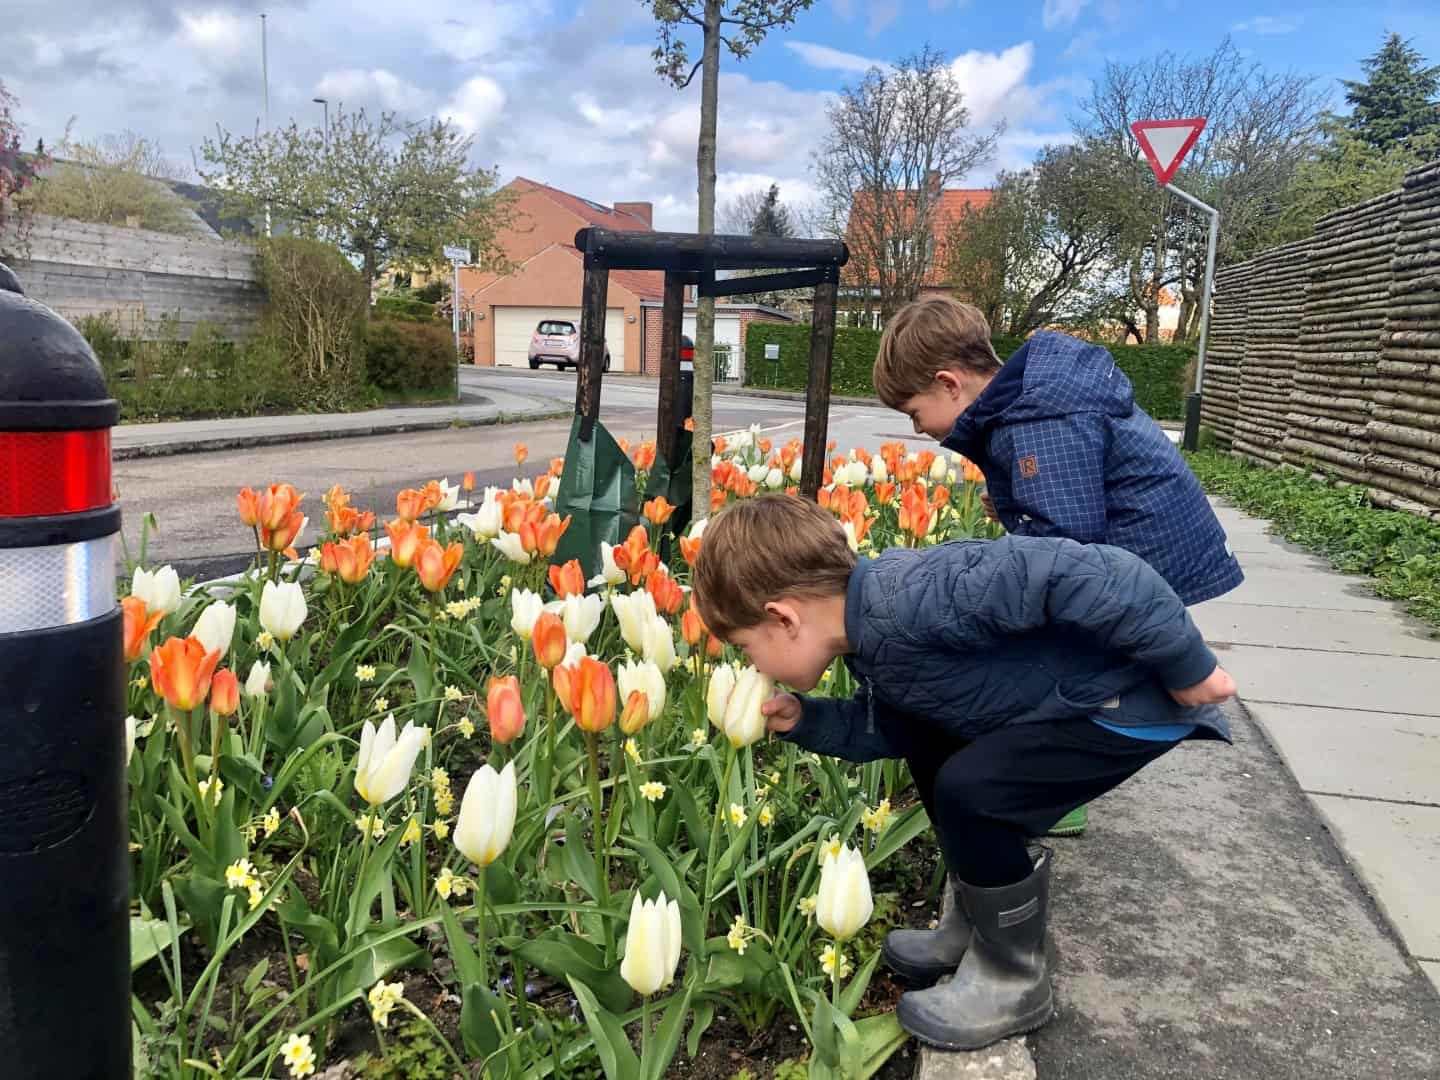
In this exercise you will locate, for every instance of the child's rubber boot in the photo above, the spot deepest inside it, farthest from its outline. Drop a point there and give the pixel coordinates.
(1072, 824)
(919, 957)
(1002, 986)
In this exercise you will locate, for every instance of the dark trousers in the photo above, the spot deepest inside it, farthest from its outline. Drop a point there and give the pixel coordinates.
(986, 797)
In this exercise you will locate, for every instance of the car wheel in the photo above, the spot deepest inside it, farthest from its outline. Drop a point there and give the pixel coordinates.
(606, 366)
(534, 364)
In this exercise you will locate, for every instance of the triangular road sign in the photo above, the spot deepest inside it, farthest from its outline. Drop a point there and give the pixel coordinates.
(1166, 142)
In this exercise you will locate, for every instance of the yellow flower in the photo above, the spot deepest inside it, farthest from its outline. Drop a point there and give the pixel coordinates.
(383, 999)
(457, 609)
(441, 829)
(412, 833)
(505, 581)
(775, 777)
(830, 849)
(252, 833)
(439, 779)
(264, 641)
(737, 814)
(632, 751)
(767, 816)
(382, 704)
(364, 672)
(445, 883)
(834, 962)
(460, 886)
(444, 803)
(699, 737)
(467, 728)
(875, 820)
(256, 895)
(271, 821)
(737, 938)
(807, 905)
(370, 825)
(652, 791)
(239, 874)
(141, 683)
(207, 786)
(452, 693)
(297, 1055)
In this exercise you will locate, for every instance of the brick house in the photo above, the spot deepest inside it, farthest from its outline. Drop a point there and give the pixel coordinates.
(545, 278)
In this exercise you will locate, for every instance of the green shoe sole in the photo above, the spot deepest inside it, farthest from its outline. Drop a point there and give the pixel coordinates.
(1072, 824)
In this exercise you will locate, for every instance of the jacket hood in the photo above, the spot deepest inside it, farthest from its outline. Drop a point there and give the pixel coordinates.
(1050, 375)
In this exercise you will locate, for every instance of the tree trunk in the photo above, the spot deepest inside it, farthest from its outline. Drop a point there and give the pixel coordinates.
(705, 313)
(370, 271)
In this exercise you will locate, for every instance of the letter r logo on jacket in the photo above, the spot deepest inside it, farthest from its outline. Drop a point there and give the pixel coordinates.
(1029, 467)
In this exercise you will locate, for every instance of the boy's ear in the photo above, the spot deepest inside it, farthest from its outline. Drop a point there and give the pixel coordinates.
(948, 382)
(785, 614)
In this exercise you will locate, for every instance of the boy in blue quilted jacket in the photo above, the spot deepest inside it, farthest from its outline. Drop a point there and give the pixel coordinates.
(1063, 446)
(1012, 675)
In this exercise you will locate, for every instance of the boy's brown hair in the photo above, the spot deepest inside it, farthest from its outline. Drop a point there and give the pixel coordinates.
(759, 550)
(926, 336)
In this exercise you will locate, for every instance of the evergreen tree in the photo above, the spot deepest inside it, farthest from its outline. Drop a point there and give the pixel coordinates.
(1396, 107)
(771, 217)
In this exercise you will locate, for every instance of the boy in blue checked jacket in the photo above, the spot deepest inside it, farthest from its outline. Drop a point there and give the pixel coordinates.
(1063, 446)
(1013, 676)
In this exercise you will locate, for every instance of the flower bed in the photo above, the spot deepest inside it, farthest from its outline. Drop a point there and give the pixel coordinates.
(449, 810)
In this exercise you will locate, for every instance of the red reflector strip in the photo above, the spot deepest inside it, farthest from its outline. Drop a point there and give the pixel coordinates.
(54, 472)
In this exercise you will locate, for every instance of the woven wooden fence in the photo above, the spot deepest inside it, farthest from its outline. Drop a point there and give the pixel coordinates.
(1325, 354)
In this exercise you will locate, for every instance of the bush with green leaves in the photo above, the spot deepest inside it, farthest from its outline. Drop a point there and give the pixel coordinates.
(402, 355)
(408, 309)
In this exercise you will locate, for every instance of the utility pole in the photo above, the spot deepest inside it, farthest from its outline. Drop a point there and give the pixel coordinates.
(265, 84)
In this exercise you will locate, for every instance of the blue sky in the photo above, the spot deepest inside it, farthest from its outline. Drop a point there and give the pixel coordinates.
(564, 92)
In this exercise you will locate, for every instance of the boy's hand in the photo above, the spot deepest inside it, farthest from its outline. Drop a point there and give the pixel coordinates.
(989, 506)
(1218, 687)
(781, 712)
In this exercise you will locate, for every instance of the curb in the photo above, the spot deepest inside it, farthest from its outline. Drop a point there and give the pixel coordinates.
(200, 444)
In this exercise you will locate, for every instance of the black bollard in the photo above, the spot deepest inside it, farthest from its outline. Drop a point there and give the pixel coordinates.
(64, 874)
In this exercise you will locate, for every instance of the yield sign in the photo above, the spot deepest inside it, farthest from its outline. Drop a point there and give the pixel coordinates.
(1166, 142)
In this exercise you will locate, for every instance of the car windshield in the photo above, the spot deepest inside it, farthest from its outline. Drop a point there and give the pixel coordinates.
(557, 328)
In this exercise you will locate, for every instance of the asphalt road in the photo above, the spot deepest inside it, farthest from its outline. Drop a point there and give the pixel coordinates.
(193, 495)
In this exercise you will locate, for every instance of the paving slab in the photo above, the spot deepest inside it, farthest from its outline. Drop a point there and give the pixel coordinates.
(1369, 683)
(1392, 846)
(1007, 1060)
(1207, 927)
(1225, 622)
(1432, 968)
(1284, 579)
(1370, 755)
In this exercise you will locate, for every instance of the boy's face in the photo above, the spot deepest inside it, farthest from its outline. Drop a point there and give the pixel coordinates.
(935, 410)
(791, 645)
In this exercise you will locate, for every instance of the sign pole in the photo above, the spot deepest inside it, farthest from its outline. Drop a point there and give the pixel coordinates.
(457, 256)
(1191, 440)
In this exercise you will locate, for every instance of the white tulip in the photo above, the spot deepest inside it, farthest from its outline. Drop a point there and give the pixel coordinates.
(697, 530)
(258, 683)
(744, 723)
(524, 486)
(449, 496)
(850, 535)
(957, 461)
(658, 645)
(487, 814)
(487, 522)
(160, 589)
(757, 473)
(635, 611)
(130, 723)
(580, 614)
(722, 682)
(384, 763)
(950, 477)
(610, 574)
(574, 653)
(741, 440)
(525, 608)
(282, 609)
(843, 904)
(652, 944)
(851, 474)
(215, 628)
(795, 470)
(754, 432)
(646, 677)
(878, 473)
(509, 545)
(774, 479)
(938, 468)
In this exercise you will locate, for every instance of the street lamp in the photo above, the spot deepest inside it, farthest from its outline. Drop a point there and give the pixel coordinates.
(326, 103)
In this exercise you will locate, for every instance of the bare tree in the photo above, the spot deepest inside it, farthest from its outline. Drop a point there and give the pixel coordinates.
(737, 213)
(116, 180)
(896, 140)
(739, 25)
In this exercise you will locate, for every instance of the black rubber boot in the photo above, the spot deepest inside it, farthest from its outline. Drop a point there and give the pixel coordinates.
(919, 957)
(1002, 986)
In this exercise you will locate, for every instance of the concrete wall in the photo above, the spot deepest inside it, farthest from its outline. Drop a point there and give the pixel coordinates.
(140, 277)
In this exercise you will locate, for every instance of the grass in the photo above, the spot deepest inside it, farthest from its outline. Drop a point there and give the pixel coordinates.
(1400, 551)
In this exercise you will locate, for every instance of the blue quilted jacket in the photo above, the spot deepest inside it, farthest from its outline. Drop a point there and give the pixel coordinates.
(1066, 452)
(970, 636)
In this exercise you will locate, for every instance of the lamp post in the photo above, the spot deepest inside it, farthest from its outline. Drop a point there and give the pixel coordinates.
(326, 103)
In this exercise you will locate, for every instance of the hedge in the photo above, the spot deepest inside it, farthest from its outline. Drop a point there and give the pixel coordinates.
(401, 355)
(1156, 371)
(403, 307)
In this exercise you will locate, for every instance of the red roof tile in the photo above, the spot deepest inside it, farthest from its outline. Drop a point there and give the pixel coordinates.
(592, 213)
(645, 284)
(953, 204)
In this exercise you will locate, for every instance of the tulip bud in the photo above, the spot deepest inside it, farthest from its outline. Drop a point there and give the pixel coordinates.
(224, 693)
(635, 612)
(843, 904)
(130, 726)
(525, 609)
(658, 644)
(938, 470)
(549, 639)
(383, 765)
(722, 684)
(580, 614)
(636, 713)
(181, 671)
(647, 678)
(257, 683)
(512, 546)
(282, 609)
(610, 574)
(160, 589)
(215, 628)
(652, 945)
(743, 722)
(592, 689)
(504, 710)
(487, 814)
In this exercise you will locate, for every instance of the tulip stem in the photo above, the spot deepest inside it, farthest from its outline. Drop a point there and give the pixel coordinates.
(644, 1035)
(715, 830)
(602, 863)
(482, 927)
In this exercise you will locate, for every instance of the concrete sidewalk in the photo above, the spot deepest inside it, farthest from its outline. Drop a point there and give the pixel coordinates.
(187, 436)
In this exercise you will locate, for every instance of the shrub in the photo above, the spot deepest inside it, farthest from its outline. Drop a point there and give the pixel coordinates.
(402, 355)
(404, 308)
(1157, 371)
(316, 313)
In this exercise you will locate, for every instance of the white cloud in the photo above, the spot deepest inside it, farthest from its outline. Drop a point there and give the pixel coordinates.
(1270, 24)
(827, 59)
(354, 88)
(1057, 13)
(477, 104)
(882, 14)
(218, 36)
(991, 82)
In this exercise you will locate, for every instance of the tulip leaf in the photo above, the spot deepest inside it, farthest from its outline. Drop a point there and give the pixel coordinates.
(617, 1057)
(293, 764)
(483, 1020)
(420, 674)
(560, 954)
(901, 831)
(880, 1036)
(462, 954)
(377, 877)
(823, 1034)
(501, 887)
(704, 1015)
(855, 988)
(319, 931)
(579, 861)
(695, 819)
(376, 956)
(150, 937)
(726, 969)
(666, 1039)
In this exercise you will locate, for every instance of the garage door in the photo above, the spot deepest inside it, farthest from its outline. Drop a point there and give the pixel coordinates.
(514, 325)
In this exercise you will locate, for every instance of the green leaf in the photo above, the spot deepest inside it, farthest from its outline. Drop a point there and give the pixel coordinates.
(377, 877)
(257, 973)
(855, 988)
(501, 886)
(617, 1057)
(880, 1036)
(419, 671)
(319, 931)
(726, 969)
(376, 957)
(560, 954)
(149, 938)
(666, 1039)
(912, 823)
(462, 954)
(579, 860)
(484, 1019)
(704, 1015)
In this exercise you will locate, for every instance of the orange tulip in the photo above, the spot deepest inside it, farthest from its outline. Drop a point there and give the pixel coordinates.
(692, 627)
(434, 494)
(645, 455)
(562, 679)
(542, 486)
(467, 482)
(248, 503)
(788, 453)
(861, 454)
(345, 520)
(915, 512)
(624, 445)
(547, 536)
(276, 506)
(409, 504)
(939, 496)
(549, 640)
(658, 510)
(630, 556)
(592, 689)
(792, 490)
(557, 466)
(521, 453)
(350, 558)
(181, 670)
(329, 564)
(529, 536)
(720, 444)
(504, 710)
(884, 491)
(666, 592)
(282, 537)
(568, 580)
(224, 693)
(861, 524)
(970, 472)
(636, 713)
(138, 624)
(405, 540)
(435, 566)
(923, 461)
(717, 500)
(830, 446)
(764, 445)
(336, 498)
(690, 549)
(689, 423)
